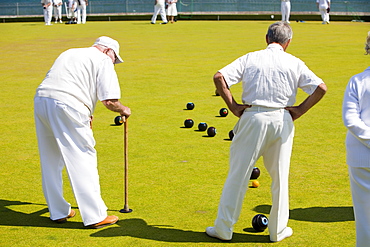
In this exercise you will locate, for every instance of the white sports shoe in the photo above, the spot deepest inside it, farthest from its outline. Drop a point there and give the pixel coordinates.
(211, 231)
(286, 233)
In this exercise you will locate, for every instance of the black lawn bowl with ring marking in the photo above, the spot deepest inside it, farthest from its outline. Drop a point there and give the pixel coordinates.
(255, 173)
(190, 106)
(118, 120)
(188, 123)
(260, 222)
(202, 126)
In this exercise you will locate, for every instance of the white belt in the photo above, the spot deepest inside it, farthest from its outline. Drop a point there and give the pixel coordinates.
(263, 108)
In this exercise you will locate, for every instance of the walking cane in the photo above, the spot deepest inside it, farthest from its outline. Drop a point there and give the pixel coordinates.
(126, 208)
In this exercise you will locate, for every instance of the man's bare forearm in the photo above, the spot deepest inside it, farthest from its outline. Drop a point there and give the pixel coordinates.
(116, 106)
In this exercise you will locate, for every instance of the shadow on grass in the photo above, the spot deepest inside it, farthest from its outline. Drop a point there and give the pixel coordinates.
(15, 218)
(315, 214)
(138, 228)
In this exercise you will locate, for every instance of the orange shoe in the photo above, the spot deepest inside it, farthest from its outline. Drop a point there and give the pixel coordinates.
(70, 215)
(110, 220)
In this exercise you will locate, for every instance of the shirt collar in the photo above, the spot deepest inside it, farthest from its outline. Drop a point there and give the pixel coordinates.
(275, 46)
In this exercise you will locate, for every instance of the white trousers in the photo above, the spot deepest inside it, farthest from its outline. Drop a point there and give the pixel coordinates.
(58, 12)
(159, 9)
(66, 140)
(81, 13)
(259, 132)
(48, 14)
(360, 189)
(285, 11)
(324, 15)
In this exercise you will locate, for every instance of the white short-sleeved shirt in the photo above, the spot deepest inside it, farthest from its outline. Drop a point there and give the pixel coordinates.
(356, 118)
(81, 75)
(270, 77)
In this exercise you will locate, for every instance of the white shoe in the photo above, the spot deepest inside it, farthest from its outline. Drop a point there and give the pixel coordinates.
(60, 21)
(211, 231)
(56, 22)
(286, 233)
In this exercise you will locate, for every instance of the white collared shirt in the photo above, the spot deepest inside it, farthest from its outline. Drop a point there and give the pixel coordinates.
(356, 118)
(270, 77)
(83, 75)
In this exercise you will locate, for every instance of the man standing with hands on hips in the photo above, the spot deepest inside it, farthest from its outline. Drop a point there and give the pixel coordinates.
(64, 104)
(270, 79)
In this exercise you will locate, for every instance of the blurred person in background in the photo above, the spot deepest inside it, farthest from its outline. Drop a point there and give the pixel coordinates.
(58, 10)
(47, 5)
(285, 10)
(171, 10)
(159, 8)
(356, 118)
(81, 11)
(324, 8)
(72, 12)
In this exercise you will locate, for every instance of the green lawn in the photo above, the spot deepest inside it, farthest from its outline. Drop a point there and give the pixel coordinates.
(176, 174)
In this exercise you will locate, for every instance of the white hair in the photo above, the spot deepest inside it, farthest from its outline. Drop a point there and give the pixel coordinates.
(279, 32)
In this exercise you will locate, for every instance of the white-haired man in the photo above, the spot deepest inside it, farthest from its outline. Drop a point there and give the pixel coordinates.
(270, 79)
(64, 104)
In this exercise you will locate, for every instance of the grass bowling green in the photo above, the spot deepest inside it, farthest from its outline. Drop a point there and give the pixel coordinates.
(176, 174)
